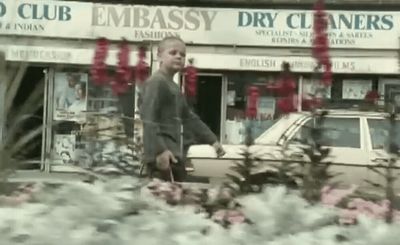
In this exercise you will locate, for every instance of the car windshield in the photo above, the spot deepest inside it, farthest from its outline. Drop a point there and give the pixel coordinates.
(379, 132)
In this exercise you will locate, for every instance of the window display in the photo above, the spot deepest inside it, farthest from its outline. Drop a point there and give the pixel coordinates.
(356, 89)
(311, 87)
(64, 148)
(236, 121)
(86, 120)
(70, 95)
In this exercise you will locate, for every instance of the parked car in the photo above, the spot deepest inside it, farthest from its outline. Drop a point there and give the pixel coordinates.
(356, 140)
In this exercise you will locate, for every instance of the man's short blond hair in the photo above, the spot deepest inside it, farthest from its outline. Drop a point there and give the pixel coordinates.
(165, 40)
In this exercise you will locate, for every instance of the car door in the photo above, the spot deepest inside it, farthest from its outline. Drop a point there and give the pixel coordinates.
(378, 130)
(343, 135)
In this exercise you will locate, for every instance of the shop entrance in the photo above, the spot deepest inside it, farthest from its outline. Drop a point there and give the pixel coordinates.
(208, 101)
(31, 155)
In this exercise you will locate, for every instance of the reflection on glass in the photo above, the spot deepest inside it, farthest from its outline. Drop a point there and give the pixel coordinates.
(379, 131)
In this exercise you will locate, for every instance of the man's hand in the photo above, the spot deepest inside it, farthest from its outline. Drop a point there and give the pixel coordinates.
(218, 149)
(164, 159)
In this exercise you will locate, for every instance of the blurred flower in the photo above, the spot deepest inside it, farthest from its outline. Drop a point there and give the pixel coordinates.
(372, 96)
(191, 79)
(230, 217)
(123, 74)
(253, 95)
(333, 196)
(142, 69)
(98, 70)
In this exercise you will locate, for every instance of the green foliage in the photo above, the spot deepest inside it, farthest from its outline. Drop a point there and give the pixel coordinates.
(248, 180)
(243, 169)
(385, 169)
(316, 173)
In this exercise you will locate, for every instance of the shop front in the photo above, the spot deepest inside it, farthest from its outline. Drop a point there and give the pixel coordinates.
(353, 78)
(232, 49)
(71, 101)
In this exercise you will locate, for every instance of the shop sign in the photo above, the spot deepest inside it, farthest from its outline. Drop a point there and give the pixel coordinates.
(60, 55)
(215, 26)
(362, 65)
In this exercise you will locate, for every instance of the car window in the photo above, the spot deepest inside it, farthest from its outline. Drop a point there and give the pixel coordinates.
(339, 132)
(379, 132)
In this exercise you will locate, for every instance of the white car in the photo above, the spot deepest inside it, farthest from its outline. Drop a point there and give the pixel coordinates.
(356, 140)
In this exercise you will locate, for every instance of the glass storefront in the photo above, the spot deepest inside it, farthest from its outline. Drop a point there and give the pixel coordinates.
(82, 118)
(348, 91)
(236, 101)
(74, 105)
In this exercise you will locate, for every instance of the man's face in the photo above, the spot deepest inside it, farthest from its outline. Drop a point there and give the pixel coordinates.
(172, 55)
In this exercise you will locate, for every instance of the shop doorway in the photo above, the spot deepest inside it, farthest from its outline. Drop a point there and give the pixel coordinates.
(31, 155)
(208, 101)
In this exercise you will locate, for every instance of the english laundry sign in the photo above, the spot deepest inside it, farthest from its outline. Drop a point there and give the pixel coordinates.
(279, 28)
(361, 65)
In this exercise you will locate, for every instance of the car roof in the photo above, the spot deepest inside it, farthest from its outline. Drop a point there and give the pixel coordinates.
(336, 112)
(356, 113)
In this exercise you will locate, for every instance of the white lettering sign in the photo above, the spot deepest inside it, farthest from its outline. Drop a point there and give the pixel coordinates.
(61, 55)
(363, 65)
(218, 26)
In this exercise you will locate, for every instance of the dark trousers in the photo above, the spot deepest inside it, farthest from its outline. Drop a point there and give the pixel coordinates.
(178, 172)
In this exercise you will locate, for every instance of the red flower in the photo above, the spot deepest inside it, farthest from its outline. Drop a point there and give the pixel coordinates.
(142, 70)
(311, 103)
(190, 79)
(287, 104)
(285, 86)
(320, 50)
(327, 76)
(98, 71)
(123, 74)
(372, 96)
(253, 95)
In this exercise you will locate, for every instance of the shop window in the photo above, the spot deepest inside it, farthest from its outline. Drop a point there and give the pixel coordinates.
(356, 89)
(312, 87)
(238, 83)
(79, 106)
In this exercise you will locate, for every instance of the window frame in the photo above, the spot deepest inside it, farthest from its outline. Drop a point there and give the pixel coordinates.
(368, 132)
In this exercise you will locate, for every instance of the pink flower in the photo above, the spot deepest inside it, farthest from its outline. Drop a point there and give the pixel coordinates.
(230, 216)
(170, 192)
(332, 197)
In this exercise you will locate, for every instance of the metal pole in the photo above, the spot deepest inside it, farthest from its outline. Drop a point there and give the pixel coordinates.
(3, 89)
(49, 120)
(300, 94)
(45, 120)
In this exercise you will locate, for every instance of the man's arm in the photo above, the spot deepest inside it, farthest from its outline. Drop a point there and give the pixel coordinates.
(150, 115)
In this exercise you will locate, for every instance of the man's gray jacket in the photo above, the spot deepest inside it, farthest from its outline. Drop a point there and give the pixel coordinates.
(164, 111)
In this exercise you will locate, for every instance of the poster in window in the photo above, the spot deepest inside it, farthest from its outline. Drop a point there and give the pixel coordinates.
(356, 89)
(311, 87)
(266, 108)
(231, 98)
(70, 100)
(64, 148)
